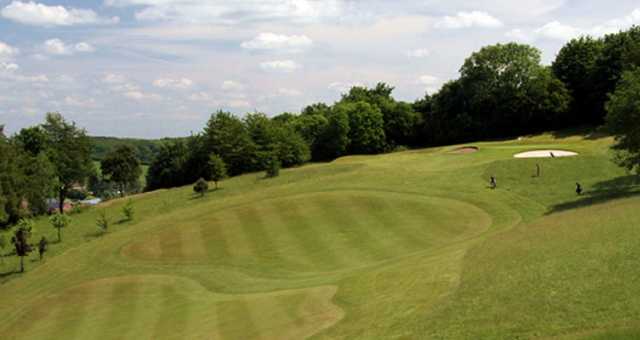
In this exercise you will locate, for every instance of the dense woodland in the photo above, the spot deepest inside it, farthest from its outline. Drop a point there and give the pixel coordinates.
(503, 91)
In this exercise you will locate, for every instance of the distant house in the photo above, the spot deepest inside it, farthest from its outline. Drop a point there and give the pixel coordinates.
(53, 206)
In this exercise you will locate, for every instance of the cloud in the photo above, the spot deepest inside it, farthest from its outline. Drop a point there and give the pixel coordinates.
(342, 87)
(79, 102)
(229, 12)
(418, 53)
(112, 78)
(230, 85)
(141, 96)
(278, 42)
(556, 30)
(175, 84)
(469, 19)
(280, 66)
(59, 47)
(431, 83)
(32, 13)
(8, 67)
(289, 92)
(7, 52)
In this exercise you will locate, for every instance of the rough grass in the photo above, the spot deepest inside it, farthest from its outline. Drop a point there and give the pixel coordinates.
(400, 246)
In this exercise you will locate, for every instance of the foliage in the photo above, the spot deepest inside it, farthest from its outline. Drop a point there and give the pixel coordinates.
(201, 187)
(623, 115)
(575, 66)
(167, 169)
(145, 149)
(69, 149)
(273, 167)
(218, 169)
(20, 240)
(366, 133)
(59, 221)
(42, 246)
(102, 221)
(229, 137)
(122, 167)
(128, 210)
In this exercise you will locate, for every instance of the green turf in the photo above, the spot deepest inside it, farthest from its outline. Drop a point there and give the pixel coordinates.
(407, 245)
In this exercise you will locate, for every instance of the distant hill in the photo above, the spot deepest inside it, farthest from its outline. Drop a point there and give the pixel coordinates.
(146, 148)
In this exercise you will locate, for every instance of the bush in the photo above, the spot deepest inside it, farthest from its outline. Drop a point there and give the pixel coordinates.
(127, 211)
(102, 221)
(273, 167)
(201, 187)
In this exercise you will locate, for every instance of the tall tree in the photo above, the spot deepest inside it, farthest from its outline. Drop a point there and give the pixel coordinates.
(366, 123)
(228, 137)
(69, 150)
(575, 66)
(122, 166)
(167, 169)
(333, 141)
(623, 115)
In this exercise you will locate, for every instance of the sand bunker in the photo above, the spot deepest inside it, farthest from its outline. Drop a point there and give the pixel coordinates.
(465, 150)
(545, 154)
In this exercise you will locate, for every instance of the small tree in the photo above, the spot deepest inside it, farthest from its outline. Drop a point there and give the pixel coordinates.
(3, 244)
(273, 167)
(42, 246)
(59, 221)
(21, 240)
(128, 211)
(102, 221)
(122, 167)
(201, 187)
(218, 169)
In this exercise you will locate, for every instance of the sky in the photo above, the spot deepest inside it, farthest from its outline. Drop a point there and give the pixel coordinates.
(159, 68)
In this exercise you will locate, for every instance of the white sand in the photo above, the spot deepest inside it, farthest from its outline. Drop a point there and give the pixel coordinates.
(545, 154)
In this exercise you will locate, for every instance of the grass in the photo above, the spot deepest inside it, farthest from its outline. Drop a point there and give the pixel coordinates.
(407, 245)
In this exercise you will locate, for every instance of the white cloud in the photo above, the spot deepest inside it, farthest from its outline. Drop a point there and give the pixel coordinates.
(9, 67)
(237, 104)
(342, 87)
(230, 85)
(176, 84)
(7, 52)
(418, 53)
(556, 30)
(280, 66)
(431, 83)
(200, 97)
(227, 12)
(141, 96)
(469, 19)
(112, 78)
(289, 92)
(37, 14)
(518, 35)
(79, 102)
(278, 42)
(59, 47)
(84, 47)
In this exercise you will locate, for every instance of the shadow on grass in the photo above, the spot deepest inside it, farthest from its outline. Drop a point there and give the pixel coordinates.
(7, 274)
(94, 235)
(199, 196)
(617, 188)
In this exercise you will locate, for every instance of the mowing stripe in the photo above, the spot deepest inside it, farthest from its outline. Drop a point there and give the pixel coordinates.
(237, 241)
(309, 237)
(173, 314)
(217, 246)
(252, 225)
(235, 320)
(358, 244)
(121, 307)
(192, 244)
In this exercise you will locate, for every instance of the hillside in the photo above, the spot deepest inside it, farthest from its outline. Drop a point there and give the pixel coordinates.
(407, 245)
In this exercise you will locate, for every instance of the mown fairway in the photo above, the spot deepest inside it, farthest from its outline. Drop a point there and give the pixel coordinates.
(402, 246)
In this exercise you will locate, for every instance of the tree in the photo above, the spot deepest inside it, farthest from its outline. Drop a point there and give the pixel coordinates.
(127, 210)
(122, 166)
(366, 133)
(32, 140)
(227, 136)
(69, 150)
(20, 240)
(623, 115)
(3, 244)
(167, 170)
(333, 141)
(273, 167)
(59, 221)
(575, 66)
(201, 187)
(218, 169)
(102, 221)
(42, 246)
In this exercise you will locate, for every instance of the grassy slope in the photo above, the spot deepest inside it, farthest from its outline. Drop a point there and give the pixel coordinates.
(405, 245)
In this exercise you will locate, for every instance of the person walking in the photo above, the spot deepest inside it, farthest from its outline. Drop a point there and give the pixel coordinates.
(578, 189)
(493, 183)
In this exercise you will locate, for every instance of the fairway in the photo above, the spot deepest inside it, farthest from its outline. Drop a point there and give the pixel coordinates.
(407, 245)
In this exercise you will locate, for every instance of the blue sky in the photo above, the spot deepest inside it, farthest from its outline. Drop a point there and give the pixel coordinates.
(153, 68)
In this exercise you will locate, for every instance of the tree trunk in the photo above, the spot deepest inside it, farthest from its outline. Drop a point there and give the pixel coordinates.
(61, 197)
(22, 264)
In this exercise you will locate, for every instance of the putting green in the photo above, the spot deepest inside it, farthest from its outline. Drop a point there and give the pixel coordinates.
(321, 231)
